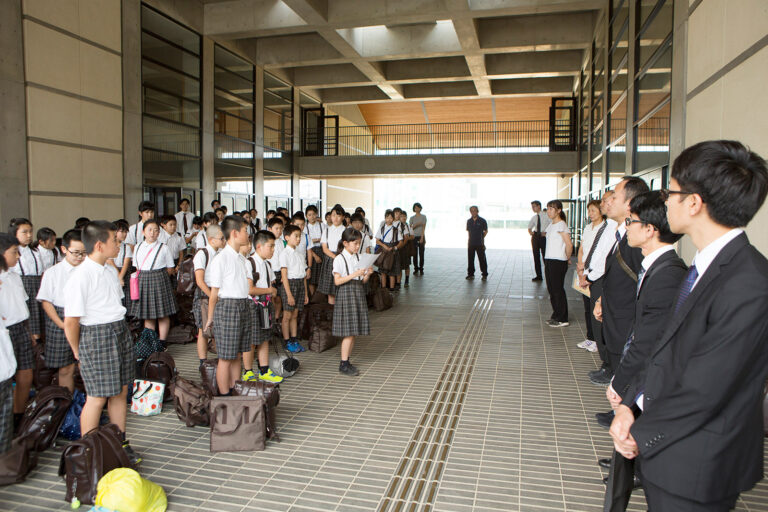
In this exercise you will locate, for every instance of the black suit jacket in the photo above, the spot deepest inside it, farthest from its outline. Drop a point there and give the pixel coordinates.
(619, 296)
(701, 432)
(653, 306)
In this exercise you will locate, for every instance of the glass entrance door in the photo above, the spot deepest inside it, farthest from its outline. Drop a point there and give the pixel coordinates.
(167, 199)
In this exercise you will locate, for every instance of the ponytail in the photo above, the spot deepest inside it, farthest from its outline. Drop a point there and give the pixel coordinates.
(559, 205)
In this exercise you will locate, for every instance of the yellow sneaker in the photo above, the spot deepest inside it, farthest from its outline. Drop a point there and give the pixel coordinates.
(248, 376)
(271, 377)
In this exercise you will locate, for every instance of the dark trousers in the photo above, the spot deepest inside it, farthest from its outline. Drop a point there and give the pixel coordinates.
(480, 250)
(595, 292)
(554, 273)
(660, 500)
(588, 317)
(539, 246)
(418, 258)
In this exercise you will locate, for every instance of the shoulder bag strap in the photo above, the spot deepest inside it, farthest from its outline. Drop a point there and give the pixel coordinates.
(253, 269)
(624, 265)
(594, 244)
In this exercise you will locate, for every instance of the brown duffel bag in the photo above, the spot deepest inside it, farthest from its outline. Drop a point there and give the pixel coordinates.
(17, 462)
(84, 462)
(238, 424)
(382, 299)
(271, 395)
(386, 260)
(192, 402)
(321, 338)
(208, 375)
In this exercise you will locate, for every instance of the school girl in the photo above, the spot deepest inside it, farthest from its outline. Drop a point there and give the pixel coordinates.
(202, 265)
(314, 229)
(293, 292)
(329, 242)
(559, 250)
(406, 234)
(7, 370)
(46, 247)
(30, 268)
(261, 291)
(136, 231)
(350, 314)
(388, 239)
(122, 262)
(13, 308)
(53, 290)
(366, 245)
(154, 265)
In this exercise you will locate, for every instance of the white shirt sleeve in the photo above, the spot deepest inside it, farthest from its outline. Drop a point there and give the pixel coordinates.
(324, 237)
(249, 269)
(338, 266)
(74, 301)
(216, 272)
(46, 292)
(165, 259)
(284, 259)
(199, 260)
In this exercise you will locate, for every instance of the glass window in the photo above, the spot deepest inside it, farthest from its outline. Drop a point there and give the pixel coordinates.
(596, 168)
(154, 22)
(652, 36)
(173, 108)
(618, 117)
(653, 140)
(160, 51)
(656, 84)
(165, 79)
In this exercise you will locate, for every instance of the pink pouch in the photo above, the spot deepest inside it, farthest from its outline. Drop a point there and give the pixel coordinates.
(134, 285)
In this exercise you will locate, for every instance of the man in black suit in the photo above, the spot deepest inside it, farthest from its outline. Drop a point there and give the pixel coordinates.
(699, 440)
(616, 306)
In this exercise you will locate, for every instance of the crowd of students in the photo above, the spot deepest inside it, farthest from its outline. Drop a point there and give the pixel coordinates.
(76, 293)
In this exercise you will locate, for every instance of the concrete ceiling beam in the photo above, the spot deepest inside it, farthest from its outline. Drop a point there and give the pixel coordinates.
(533, 64)
(441, 67)
(247, 17)
(331, 75)
(540, 32)
(353, 95)
(533, 86)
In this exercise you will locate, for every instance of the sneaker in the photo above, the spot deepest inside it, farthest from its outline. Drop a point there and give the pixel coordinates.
(132, 455)
(469, 277)
(248, 376)
(552, 323)
(406, 284)
(271, 377)
(592, 347)
(536, 279)
(350, 370)
(484, 278)
(299, 346)
(555, 323)
(290, 346)
(602, 378)
(584, 344)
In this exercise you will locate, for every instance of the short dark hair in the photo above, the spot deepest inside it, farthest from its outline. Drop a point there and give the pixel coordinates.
(290, 229)
(219, 209)
(73, 235)
(338, 209)
(121, 225)
(731, 180)
(299, 215)
(7, 241)
(389, 213)
(262, 236)
(165, 219)
(146, 206)
(650, 208)
(184, 200)
(275, 220)
(230, 224)
(96, 231)
(537, 203)
(415, 205)
(271, 212)
(475, 207)
(197, 220)
(210, 217)
(559, 205)
(357, 218)
(634, 186)
(225, 208)
(348, 235)
(81, 222)
(45, 234)
(214, 202)
(396, 209)
(149, 222)
(16, 223)
(310, 208)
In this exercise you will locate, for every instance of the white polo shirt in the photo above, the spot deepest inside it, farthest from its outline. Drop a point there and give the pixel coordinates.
(555, 243)
(279, 248)
(30, 263)
(351, 260)
(135, 233)
(94, 294)
(266, 274)
(332, 236)
(199, 262)
(228, 274)
(365, 243)
(13, 299)
(315, 232)
(53, 286)
(291, 259)
(145, 256)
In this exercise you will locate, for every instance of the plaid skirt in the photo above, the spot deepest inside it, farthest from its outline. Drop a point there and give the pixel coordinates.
(350, 314)
(232, 327)
(325, 285)
(107, 358)
(297, 290)
(6, 415)
(259, 332)
(314, 275)
(22, 345)
(58, 353)
(156, 299)
(32, 286)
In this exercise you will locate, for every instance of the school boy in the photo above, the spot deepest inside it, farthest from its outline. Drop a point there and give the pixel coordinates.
(350, 314)
(7, 369)
(262, 312)
(14, 311)
(174, 242)
(314, 230)
(30, 268)
(184, 220)
(275, 226)
(228, 308)
(305, 243)
(136, 231)
(330, 241)
(209, 219)
(94, 323)
(293, 293)
(46, 247)
(53, 289)
(202, 265)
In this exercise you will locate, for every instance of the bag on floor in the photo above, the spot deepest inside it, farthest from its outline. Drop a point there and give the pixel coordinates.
(182, 334)
(161, 366)
(382, 299)
(70, 427)
(192, 402)
(125, 490)
(184, 314)
(17, 462)
(42, 376)
(237, 424)
(321, 338)
(43, 417)
(271, 395)
(284, 365)
(85, 461)
(208, 375)
(147, 344)
(147, 397)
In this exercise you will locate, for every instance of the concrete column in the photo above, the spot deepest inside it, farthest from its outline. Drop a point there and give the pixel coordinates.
(132, 155)
(679, 82)
(631, 70)
(296, 151)
(14, 192)
(258, 128)
(208, 180)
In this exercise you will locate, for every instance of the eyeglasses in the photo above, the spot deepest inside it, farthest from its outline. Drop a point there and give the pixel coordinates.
(665, 193)
(78, 254)
(629, 221)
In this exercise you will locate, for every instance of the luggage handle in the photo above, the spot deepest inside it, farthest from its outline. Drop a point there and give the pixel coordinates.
(244, 414)
(147, 390)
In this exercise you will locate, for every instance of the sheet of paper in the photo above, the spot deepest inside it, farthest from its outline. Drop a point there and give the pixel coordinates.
(366, 260)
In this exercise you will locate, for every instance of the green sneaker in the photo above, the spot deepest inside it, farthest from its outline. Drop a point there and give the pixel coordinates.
(248, 376)
(271, 377)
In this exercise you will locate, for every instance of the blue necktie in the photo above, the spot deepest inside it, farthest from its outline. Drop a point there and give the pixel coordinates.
(618, 236)
(685, 290)
(639, 280)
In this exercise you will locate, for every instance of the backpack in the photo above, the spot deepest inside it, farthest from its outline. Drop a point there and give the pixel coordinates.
(270, 393)
(147, 344)
(42, 376)
(43, 417)
(85, 461)
(382, 299)
(186, 281)
(161, 367)
(16, 463)
(283, 365)
(192, 402)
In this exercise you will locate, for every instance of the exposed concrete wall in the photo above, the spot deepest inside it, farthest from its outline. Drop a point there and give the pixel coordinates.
(74, 89)
(350, 193)
(14, 197)
(132, 153)
(727, 59)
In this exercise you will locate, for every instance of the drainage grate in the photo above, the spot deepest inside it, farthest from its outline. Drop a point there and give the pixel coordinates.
(415, 483)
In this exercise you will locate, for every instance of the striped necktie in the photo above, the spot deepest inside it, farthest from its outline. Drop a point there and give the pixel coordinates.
(685, 290)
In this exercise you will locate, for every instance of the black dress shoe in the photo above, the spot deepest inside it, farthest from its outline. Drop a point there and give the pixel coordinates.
(604, 463)
(536, 279)
(604, 419)
(638, 484)
(469, 277)
(484, 278)
(602, 377)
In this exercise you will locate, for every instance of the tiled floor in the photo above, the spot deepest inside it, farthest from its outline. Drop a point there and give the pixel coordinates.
(461, 386)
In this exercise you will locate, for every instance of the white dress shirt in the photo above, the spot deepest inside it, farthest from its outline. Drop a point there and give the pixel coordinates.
(53, 286)
(180, 223)
(365, 243)
(545, 222)
(651, 259)
(707, 255)
(135, 233)
(388, 234)
(29, 263)
(7, 357)
(604, 246)
(201, 240)
(291, 260)
(145, 256)
(13, 299)
(275, 259)
(47, 256)
(315, 232)
(94, 294)
(175, 242)
(228, 274)
(332, 236)
(264, 269)
(125, 251)
(351, 260)
(199, 262)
